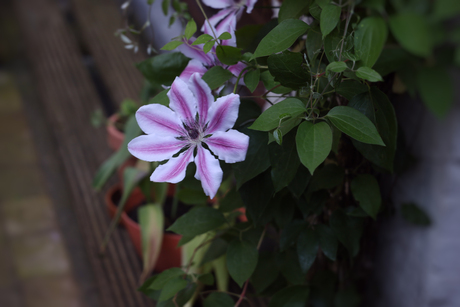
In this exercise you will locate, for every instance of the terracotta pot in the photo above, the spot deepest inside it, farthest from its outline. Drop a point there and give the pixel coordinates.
(170, 255)
(114, 136)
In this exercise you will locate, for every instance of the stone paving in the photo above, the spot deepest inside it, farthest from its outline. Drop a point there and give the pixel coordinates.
(35, 268)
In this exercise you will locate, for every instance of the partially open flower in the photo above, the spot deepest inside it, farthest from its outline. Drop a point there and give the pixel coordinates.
(193, 120)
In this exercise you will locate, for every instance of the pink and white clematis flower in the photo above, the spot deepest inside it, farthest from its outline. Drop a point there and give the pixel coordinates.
(193, 120)
(231, 11)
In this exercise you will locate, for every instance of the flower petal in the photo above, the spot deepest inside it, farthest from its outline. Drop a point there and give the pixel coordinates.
(230, 146)
(196, 53)
(173, 171)
(250, 5)
(154, 148)
(223, 113)
(237, 69)
(219, 4)
(208, 171)
(203, 96)
(194, 66)
(158, 119)
(215, 19)
(182, 101)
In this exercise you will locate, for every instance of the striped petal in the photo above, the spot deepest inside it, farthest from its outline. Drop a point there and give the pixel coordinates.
(159, 120)
(208, 171)
(250, 5)
(223, 113)
(215, 19)
(182, 101)
(203, 96)
(196, 53)
(219, 4)
(230, 146)
(173, 171)
(154, 148)
(194, 66)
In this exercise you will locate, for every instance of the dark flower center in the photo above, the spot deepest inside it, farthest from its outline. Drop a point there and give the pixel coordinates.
(193, 133)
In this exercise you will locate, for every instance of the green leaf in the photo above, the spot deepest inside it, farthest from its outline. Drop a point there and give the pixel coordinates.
(284, 161)
(231, 201)
(225, 36)
(256, 195)
(348, 230)
(218, 299)
(165, 7)
(413, 32)
(217, 249)
(368, 74)
(415, 215)
(289, 266)
(270, 84)
(293, 9)
(378, 108)
(257, 158)
(228, 55)
(366, 191)
(314, 143)
(315, 11)
(281, 37)
(327, 177)
(307, 248)
(207, 279)
(198, 221)
(190, 29)
(208, 46)
(327, 241)
(192, 197)
(172, 45)
(104, 172)
(251, 79)
(265, 273)
(294, 296)
(164, 277)
(202, 39)
(314, 44)
(436, 90)
(391, 59)
(161, 98)
(287, 69)
(322, 3)
(270, 119)
(172, 287)
(370, 36)
(163, 68)
(337, 66)
(216, 76)
(445, 9)
(241, 260)
(290, 233)
(330, 17)
(299, 182)
(350, 88)
(355, 124)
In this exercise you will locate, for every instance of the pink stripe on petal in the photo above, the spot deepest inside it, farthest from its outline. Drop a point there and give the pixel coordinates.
(193, 66)
(223, 113)
(153, 148)
(230, 146)
(173, 171)
(196, 53)
(208, 171)
(228, 24)
(158, 119)
(203, 96)
(181, 100)
(215, 19)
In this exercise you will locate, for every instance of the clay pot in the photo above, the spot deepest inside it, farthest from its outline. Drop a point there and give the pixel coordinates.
(114, 136)
(170, 255)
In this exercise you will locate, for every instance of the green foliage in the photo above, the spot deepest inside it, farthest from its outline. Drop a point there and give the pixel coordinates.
(330, 17)
(216, 77)
(274, 115)
(163, 68)
(415, 215)
(366, 192)
(370, 37)
(413, 33)
(241, 260)
(281, 37)
(198, 221)
(287, 69)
